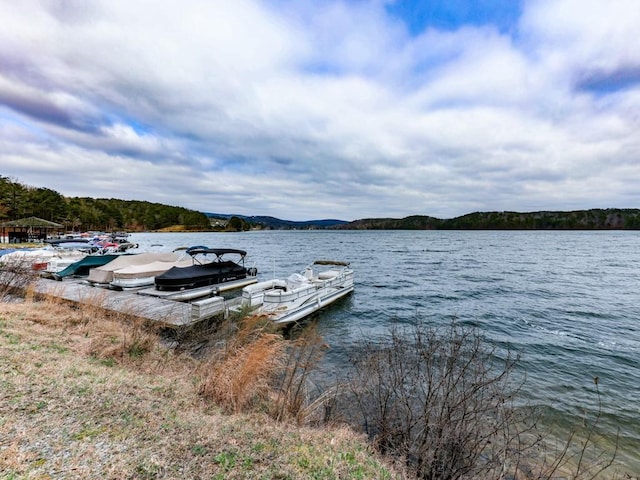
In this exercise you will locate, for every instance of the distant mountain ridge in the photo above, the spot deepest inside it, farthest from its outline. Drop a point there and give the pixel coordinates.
(277, 223)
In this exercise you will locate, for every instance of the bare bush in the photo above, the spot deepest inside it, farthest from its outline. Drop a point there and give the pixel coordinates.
(15, 278)
(436, 399)
(445, 402)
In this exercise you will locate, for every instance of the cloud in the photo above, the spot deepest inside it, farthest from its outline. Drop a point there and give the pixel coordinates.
(573, 37)
(334, 109)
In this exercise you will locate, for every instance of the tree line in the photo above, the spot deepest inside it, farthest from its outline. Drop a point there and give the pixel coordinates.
(84, 213)
(593, 219)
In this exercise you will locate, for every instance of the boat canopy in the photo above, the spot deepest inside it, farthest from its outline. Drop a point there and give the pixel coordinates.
(218, 252)
(331, 262)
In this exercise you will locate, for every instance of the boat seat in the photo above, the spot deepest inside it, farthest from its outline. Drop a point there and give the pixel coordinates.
(328, 274)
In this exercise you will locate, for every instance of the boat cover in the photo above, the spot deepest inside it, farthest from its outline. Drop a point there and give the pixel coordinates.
(213, 273)
(86, 265)
(104, 273)
(68, 243)
(150, 269)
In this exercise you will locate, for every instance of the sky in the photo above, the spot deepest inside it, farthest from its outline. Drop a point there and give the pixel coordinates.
(314, 109)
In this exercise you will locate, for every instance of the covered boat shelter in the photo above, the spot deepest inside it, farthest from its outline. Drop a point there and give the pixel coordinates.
(27, 230)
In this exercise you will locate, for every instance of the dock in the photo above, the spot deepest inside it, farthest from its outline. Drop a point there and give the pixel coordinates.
(169, 313)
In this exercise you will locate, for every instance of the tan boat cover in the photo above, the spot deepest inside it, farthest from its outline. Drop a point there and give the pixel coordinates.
(150, 269)
(104, 274)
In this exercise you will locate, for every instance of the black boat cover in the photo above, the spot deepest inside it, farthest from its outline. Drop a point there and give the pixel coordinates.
(202, 275)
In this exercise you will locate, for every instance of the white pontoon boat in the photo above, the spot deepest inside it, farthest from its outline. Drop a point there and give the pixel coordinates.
(300, 295)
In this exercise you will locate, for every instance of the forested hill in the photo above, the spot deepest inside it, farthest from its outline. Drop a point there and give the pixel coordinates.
(81, 213)
(595, 219)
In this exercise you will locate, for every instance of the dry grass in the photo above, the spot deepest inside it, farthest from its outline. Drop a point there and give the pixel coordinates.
(257, 369)
(242, 376)
(87, 395)
(172, 228)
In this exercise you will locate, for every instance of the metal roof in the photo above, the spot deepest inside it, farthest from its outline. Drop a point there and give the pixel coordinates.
(32, 222)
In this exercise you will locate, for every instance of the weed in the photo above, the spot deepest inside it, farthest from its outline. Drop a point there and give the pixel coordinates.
(82, 390)
(148, 471)
(199, 450)
(107, 362)
(258, 447)
(12, 338)
(88, 433)
(226, 459)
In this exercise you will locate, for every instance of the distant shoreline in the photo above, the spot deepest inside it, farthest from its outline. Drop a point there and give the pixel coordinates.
(594, 219)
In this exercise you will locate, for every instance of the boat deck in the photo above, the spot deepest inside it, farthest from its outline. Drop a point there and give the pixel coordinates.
(169, 313)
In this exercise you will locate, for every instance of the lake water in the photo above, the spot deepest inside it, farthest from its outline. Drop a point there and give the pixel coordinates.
(568, 301)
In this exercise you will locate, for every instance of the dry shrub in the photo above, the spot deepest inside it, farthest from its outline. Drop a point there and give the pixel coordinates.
(258, 363)
(251, 327)
(240, 374)
(440, 399)
(30, 292)
(444, 401)
(14, 280)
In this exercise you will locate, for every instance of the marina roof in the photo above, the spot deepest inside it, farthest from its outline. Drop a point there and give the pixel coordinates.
(31, 222)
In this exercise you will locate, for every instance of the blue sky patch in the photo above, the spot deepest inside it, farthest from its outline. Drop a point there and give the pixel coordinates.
(454, 14)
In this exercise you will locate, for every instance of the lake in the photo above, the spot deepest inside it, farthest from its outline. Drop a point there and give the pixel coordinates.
(568, 301)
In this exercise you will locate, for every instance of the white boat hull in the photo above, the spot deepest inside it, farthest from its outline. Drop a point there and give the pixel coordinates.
(304, 311)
